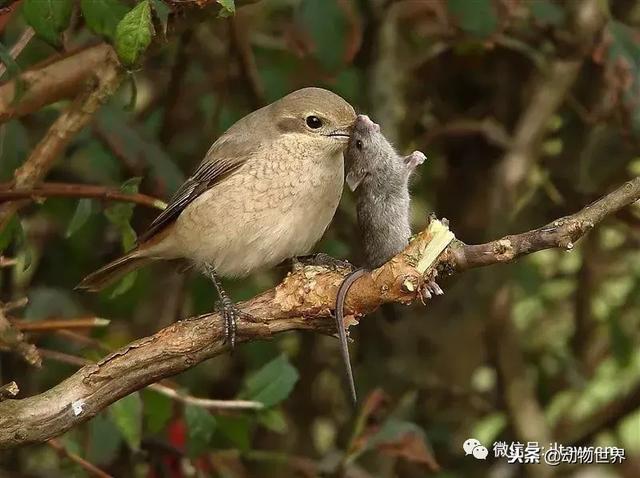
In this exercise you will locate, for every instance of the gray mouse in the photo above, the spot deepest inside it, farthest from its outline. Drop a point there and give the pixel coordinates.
(380, 178)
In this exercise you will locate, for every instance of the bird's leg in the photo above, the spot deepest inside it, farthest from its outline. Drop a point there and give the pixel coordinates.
(229, 310)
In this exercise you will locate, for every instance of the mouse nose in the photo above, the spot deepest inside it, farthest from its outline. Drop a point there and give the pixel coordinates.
(364, 119)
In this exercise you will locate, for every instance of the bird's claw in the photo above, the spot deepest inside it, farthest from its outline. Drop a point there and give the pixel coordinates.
(231, 313)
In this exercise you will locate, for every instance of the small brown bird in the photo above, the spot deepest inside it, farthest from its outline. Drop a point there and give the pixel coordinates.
(266, 191)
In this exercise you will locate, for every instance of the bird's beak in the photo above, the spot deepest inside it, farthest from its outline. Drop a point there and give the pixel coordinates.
(341, 134)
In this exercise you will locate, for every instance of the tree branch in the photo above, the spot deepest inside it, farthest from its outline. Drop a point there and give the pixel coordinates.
(70, 190)
(304, 300)
(15, 341)
(53, 80)
(106, 78)
(562, 233)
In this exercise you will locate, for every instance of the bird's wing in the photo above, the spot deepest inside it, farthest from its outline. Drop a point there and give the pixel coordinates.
(225, 157)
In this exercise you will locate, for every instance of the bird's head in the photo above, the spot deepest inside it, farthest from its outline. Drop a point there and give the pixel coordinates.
(321, 119)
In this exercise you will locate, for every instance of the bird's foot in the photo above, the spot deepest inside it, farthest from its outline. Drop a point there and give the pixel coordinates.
(231, 313)
(229, 310)
(323, 260)
(428, 290)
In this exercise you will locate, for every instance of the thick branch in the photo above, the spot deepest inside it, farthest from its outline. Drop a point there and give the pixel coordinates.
(53, 81)
(70, 190)
(304, 300)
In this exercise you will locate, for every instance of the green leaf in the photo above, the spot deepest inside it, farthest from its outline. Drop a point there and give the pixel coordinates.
(126, 413)
(158, 410)
(273, 419)
(228, 8)
(119, 213)
(133, 33)
(476, 17)
(83, 212)
(546, 12)
(200, 427)
(103, 16)
(272, 383)
(235, 432)
(22, 245)
(49, 18)
(124, 284)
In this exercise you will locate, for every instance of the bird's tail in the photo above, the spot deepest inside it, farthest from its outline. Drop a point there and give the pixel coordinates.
(113, 271)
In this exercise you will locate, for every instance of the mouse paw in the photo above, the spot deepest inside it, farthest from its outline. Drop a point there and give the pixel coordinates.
(428, 290)
(415, 159)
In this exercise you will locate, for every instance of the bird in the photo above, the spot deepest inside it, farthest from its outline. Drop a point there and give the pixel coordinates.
(265, 192)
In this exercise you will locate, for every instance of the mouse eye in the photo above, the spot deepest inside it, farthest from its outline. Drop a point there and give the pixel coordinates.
(314, 122)
(359, 145)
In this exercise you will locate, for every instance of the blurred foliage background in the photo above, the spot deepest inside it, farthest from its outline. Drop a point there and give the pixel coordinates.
(528, 110)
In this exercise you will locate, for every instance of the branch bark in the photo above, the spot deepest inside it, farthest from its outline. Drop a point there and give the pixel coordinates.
(303, 300)
(53, 81)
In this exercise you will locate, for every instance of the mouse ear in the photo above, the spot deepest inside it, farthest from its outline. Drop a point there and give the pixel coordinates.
(354, 178)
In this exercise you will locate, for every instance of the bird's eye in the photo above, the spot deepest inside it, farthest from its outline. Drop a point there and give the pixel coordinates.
(359, 145)
(314, 122)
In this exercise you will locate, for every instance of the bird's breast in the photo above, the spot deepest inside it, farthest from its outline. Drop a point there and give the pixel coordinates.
(266, 212)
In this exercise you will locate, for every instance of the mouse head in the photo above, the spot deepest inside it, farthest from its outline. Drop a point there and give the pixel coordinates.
(366, 152)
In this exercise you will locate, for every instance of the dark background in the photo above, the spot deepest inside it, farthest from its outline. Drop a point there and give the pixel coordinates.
(542, 349)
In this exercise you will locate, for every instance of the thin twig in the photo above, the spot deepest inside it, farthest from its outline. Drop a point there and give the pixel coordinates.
(71, 190)
(22, 42)
(87, 466)
(206, 402)
(62, 357)
(55, 324)
(7, 261)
